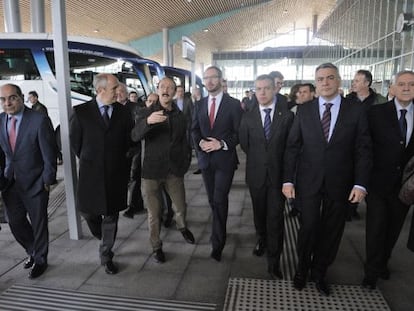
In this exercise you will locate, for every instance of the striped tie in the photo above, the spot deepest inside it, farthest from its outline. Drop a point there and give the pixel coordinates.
(267, 123)
(326, 120)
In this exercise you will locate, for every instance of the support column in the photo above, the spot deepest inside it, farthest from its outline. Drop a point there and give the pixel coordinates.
(165, 46)
(37, 18)
(65, 110)
(11, 16)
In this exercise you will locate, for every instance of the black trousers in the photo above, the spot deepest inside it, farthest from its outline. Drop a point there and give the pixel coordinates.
(218, 184)
(135, 202)
(104, 228)
(384, 221)
(322, 224)
(33, 235)
(268, 206)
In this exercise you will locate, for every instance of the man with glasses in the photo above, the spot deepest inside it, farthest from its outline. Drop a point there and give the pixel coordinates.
(28, 142)
(215, 127)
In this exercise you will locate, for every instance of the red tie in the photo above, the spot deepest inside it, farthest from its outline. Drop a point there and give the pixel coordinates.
(12, 133)
(212, 110)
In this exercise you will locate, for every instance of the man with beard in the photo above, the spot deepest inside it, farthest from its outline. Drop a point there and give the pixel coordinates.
(167, 158)
(215, 128)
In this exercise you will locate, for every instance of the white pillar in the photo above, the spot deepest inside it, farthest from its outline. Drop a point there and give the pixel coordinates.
(37, 18)
(65, 110)
(11, 16)
(165, 46)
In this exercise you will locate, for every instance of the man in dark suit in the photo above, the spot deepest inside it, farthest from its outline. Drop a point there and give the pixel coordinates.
(215, 128)
(100, 137)
(134, 198)
(391, 128)
(36, 104)
(28, 142)
(263, 133)
(327, 164)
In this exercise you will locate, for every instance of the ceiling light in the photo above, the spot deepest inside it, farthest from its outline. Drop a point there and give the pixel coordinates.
(205, 30)
(96, 30)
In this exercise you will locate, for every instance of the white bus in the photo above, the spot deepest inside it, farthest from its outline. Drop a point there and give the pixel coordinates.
(27, 59)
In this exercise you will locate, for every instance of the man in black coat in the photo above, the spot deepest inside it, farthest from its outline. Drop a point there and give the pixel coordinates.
(167, 158)
(327, 165)
(391, 128)
(263, 133)
(100, 137)
(134, 199)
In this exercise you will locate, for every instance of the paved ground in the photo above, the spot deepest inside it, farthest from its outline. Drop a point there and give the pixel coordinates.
(189, 273)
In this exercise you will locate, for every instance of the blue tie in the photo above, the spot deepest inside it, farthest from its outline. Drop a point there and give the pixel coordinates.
(267, 123)
(403, 124)
(105, 115)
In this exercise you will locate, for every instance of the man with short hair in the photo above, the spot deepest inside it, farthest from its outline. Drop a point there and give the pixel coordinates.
(27, 142)
(215, 134)
(279, 81)
(391, 128)
(362, 91)
(100, 132)
(133, 96)
(36, 104)
(263, 132)
(167, 157)
(306, 93)
(135, 204)
(327, 165)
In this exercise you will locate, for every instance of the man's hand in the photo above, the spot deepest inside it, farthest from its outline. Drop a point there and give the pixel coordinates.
(156, 117)
(356, 195)
(210, 145)
(289, 191)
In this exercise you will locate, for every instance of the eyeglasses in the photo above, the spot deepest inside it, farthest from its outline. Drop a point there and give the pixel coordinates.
(210, 78)
(11, 98)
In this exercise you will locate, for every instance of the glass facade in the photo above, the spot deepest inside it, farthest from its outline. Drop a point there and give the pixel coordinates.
(359, 34)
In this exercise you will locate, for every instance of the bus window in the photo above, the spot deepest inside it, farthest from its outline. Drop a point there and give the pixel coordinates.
(17, 65)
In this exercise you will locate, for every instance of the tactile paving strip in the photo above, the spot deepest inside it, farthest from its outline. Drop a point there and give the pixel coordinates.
(280, 295)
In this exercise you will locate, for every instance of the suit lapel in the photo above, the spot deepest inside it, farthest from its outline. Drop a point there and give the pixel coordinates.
(316, 118)
(24, 125)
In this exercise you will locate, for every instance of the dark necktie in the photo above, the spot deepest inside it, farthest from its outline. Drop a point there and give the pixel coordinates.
(212, 110)
(403, 124)
(105, 115)
(12, 133)
(267, 123)
(326, 120)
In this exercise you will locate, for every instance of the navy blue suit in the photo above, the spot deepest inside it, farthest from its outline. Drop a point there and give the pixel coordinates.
(28, 169)
(218, 166)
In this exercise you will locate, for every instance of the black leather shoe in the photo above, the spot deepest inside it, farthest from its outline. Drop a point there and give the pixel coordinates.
(197, 172)
(259, 249)
(110, 267)
(216, 255)
(275, 272)
(37, 270)
(159, 256)
(188, 236)
(322, 287)
(299, 281)
(370, 283)
(28, 263)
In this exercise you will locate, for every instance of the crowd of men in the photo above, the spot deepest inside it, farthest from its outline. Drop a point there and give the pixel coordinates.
(320, 150)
